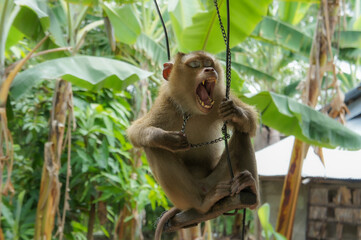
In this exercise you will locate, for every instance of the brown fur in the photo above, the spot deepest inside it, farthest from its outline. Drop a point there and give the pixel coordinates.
(197, 177)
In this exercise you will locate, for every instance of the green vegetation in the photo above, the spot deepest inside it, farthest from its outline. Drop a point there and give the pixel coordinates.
(112, 54)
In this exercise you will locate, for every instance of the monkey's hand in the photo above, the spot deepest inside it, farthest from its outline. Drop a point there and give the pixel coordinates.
(244, 180)
(173, 141)
(230, 112)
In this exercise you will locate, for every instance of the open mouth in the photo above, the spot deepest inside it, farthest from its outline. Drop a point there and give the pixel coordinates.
(204, 93)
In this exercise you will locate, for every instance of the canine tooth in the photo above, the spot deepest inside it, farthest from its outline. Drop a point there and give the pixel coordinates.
(203, 104)
(203, 82)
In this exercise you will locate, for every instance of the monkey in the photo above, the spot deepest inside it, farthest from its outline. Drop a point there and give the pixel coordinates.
(197, 177)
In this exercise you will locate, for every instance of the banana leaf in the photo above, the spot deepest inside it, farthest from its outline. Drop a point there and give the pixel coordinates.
(124, 21)
(293, 118)
(89, 72)
(282, 34)
(153, 50)
(293, 12)
(349, 39)
(197, 28)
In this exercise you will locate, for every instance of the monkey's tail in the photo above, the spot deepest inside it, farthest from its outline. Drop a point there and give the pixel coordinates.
(163, 220)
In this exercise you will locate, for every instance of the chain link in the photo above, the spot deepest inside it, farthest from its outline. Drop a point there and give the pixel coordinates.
(228, 86)
(185, 119)
(228, 52)
(197, 145)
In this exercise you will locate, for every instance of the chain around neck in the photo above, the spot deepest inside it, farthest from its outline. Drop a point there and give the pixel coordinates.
(186, 117)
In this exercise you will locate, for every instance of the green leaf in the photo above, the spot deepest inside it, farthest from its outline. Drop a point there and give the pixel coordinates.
(86, 160)
(349, 39)
(357, 24)
(8, 12)
(181, 15)
(279, 236)
(7, 215)
(153, 50)
(82, 32)
(57, 35)
(13, 38)
(292, 12)
(124, 21)
(293, 118)
(259, 75)
(291, 89)
(89, 72)
(32, 18)
(205, 34)
(279, 33)
(350, 54)
(263, 214)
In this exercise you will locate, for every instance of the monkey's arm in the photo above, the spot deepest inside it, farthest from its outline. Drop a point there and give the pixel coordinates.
(148, 131)
(149, 136)
(242, 116)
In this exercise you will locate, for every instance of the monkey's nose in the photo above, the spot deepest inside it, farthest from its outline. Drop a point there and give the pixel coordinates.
(209, 69)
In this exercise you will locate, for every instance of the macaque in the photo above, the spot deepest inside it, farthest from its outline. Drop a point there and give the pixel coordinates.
(197, 177)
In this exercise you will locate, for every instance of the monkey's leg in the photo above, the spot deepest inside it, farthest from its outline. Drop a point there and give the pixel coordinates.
(243, 163)
(183, 190)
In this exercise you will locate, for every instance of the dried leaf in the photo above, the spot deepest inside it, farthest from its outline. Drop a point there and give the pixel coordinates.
(318, 151)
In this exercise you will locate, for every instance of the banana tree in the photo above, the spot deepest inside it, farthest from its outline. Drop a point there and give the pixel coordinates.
(80, 70)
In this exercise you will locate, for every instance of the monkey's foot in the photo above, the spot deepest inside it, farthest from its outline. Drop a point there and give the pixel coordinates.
(192, 217)
(221, 190)
(243, 180)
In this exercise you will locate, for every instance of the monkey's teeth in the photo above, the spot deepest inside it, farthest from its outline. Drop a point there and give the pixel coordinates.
(203, 82)
(206, 105)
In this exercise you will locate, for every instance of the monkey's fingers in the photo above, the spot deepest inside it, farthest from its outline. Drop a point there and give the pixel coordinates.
(226, 106)
(228, 115)
(241, 181)
(236, 189)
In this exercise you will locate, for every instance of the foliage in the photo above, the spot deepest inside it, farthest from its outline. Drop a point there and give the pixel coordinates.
(82, 71)
(301, 121)
(108, 50)
(197, 27)
(268, 230)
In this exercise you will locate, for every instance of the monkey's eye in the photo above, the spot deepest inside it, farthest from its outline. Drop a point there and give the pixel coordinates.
(207, 63)
(195, 64)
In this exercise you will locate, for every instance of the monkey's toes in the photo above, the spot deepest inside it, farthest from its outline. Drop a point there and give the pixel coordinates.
(241, 181)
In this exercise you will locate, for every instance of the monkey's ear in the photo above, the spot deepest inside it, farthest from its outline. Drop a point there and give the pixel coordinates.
(167, 68)
(181, 54)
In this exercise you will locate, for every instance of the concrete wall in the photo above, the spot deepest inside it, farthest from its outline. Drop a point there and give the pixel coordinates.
(271, 191)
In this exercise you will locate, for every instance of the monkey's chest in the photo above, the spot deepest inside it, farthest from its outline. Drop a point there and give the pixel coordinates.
(201, 134)
(203, 130)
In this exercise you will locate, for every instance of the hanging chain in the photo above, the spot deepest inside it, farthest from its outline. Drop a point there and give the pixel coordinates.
(197, 145)
(228, 52)
(185, 119)
(228, 86)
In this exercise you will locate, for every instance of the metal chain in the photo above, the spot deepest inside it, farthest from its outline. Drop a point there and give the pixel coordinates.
(228, 52)
(228, 86)
(185, 119)
(197, 145)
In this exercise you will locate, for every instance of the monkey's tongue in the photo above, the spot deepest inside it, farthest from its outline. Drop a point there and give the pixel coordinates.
(203, 95)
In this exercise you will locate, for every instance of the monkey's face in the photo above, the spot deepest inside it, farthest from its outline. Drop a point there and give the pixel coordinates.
(198, 74)
(205, 80)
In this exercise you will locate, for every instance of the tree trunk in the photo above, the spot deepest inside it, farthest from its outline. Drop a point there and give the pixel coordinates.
(50, 186)
(91, 221)
(192, 233)
(321, 51)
